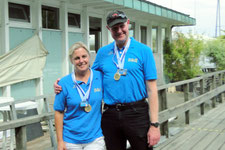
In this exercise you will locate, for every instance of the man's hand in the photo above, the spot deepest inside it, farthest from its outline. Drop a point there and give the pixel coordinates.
(153, 135)
(57, 88)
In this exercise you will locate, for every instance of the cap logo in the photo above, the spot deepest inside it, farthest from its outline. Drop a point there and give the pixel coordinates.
(114, 15)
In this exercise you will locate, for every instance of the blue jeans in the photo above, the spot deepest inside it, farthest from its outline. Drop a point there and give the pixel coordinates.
(126, 123)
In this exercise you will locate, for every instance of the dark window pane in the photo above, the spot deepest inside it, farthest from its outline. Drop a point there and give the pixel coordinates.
(19, 12)
(144, 34)
(74, 20)
(50, 17)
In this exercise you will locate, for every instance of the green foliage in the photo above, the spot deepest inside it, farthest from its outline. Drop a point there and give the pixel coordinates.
(181, 57)
(216, 50)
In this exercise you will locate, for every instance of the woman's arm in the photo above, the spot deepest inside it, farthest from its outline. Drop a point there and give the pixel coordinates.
(59, 129)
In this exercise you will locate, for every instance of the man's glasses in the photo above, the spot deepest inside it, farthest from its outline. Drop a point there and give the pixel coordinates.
(117, 16)
(122, 16)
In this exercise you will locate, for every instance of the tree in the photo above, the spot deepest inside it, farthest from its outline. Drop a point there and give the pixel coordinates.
(181, 57)
(216, 50)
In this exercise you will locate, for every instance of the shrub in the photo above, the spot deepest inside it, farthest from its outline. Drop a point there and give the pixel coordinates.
(216, 50)
(181, 57)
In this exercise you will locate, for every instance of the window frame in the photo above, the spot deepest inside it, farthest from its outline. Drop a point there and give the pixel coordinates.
(72, 28)
(57, 15)
(18, 23)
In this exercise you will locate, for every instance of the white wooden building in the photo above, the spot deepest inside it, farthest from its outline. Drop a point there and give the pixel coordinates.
(60, 23)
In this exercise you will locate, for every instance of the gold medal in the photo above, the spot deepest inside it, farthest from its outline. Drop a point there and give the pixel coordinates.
(117, 76)
(87, 108)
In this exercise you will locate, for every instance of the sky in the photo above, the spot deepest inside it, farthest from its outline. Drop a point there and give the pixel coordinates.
(204, 11)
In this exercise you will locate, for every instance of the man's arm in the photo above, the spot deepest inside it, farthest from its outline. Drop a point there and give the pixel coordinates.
(153, 132)
(57, 88)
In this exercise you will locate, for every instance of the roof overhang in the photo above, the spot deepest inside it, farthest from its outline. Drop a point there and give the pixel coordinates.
(141, 8)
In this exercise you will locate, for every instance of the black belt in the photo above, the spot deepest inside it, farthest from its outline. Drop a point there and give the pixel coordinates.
(123, 106)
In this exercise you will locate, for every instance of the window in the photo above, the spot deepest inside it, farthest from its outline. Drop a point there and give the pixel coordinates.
(19, 12)
(144, 34)
(74, 20)
(154, 40)
(50, 17)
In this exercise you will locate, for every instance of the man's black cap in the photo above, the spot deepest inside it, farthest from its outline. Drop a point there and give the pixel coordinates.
(116, 17)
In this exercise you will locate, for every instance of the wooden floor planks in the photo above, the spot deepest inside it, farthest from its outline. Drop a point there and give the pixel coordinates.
(208, 132)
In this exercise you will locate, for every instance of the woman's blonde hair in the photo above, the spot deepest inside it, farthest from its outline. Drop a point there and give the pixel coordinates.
(76, 46)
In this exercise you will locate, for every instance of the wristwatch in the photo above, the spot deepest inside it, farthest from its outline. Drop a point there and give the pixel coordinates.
(156, 124)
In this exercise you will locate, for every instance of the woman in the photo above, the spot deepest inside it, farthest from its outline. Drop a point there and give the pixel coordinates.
(78, 106)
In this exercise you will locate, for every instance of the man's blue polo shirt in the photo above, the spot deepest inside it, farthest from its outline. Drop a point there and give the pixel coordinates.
(140, 65)
(79, 126)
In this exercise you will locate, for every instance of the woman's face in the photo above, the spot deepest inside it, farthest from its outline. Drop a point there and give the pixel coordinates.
(80, 60)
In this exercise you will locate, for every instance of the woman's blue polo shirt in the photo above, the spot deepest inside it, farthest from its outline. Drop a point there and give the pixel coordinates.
(140, 65)
(79, 126)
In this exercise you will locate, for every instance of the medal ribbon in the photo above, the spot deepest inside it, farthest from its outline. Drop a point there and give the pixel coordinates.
(84, 96)
(121, 59)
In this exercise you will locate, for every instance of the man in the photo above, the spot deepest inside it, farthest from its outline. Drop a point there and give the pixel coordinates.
(129, 76)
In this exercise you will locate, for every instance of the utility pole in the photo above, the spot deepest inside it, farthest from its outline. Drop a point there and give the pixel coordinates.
(218, 24)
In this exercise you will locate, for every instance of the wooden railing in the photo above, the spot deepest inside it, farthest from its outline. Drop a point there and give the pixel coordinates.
(216, 89)
(19, 125)
(211, 86)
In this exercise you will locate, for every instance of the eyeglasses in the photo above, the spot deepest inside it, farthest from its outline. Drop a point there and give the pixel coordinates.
(116, 16)
(122, 16)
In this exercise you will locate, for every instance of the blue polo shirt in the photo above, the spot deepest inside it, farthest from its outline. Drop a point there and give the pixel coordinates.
(140, 65)
(79, 126)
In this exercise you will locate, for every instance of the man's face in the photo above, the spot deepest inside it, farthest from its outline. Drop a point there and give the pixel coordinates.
(120, 32)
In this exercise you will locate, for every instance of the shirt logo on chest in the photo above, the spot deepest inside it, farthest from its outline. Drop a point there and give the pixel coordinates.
(133, 60)
(110, 53)
(97, 89)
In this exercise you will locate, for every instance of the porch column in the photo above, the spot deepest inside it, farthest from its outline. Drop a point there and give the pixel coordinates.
(37, 24)
(85, 25)
(105, 33)
(65, 40)
(6, 91)
(149, 35)
(160, 52)
(137, 31)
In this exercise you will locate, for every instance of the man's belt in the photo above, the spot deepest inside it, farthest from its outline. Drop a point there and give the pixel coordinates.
(122, 106)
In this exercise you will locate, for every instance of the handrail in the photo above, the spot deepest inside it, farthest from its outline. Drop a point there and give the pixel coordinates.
(215, 89)
(19, 125)
(190, 80)
(168, 113)
(26, 121)
(164, 114)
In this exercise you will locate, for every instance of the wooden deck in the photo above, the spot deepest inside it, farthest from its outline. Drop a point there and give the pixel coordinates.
(206, 133)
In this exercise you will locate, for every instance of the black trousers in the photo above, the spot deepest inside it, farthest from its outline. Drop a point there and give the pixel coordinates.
(126, 123)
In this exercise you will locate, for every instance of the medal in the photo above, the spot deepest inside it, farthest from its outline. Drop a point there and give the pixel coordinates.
(117, 76)
(83, 104)
(87, 108)
(123, 72)
(120, 61)
(83, 95)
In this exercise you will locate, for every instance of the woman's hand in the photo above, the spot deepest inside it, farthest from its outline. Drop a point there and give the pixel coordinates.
(61, 145)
